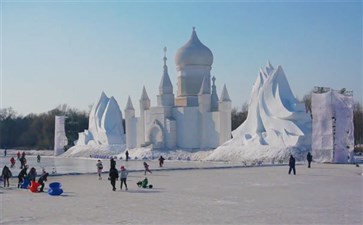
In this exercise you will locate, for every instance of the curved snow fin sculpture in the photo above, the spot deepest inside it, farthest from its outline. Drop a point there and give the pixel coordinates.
(105, 124)
(276, 125)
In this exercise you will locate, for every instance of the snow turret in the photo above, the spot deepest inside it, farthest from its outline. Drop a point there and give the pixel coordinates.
(130, 125)
(225, 109)
(129, 109)
(204, 88)
(225, 95)
(204, 97)
(214, 96)
(166, 96)
(204, 100)
(144, 100)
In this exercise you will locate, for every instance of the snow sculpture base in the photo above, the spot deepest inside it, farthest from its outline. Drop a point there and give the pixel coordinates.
(94, 151)
(233, 152)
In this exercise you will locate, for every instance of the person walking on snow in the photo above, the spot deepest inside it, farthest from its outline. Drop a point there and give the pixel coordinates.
(127, 155)
(309, 157)
(22, 162)
(112, 162)
(161, 161)
(22, 174)
(99, 169)
(6, 174)
(113, 176)
(146, 166)
(123, 177)
(292, 164)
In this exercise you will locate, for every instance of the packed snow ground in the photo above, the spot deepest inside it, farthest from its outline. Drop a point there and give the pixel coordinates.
(323, 194)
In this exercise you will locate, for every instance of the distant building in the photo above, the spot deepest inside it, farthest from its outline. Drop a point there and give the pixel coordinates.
(195, 119)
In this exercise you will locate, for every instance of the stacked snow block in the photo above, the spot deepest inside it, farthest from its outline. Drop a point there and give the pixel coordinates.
(55, 188)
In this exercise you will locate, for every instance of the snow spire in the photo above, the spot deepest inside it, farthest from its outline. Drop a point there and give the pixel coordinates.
(165, 49)
(204, 89)
(225, 95)
(144, 100)
(129, 104)
(165, 86)
(214, 96)
(144, 95)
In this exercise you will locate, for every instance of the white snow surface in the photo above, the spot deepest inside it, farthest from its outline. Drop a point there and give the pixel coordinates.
(277, 124)
(323, 194)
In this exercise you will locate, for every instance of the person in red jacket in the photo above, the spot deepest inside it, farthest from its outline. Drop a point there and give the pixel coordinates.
(12, 162)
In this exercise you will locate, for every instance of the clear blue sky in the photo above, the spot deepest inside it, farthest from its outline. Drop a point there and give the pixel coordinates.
(68, 52)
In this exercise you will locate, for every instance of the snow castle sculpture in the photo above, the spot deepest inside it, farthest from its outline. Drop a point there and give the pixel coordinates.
(333, 128)
(195, 118)
(276, 125)
(105, 124)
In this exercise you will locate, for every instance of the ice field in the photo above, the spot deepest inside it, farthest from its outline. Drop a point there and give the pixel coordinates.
(192, 193)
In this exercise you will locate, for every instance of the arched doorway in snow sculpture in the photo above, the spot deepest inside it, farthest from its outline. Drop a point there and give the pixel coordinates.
(156, 135)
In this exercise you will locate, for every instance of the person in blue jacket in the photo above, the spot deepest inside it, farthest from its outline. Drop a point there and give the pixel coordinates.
(22, 174)
(123, 176)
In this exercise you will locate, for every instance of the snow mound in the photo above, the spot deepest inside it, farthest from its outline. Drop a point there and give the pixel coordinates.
(94, 151)
(277, 124)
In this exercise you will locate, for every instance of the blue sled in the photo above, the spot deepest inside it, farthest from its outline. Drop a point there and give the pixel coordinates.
(25, 183)
(55, 189)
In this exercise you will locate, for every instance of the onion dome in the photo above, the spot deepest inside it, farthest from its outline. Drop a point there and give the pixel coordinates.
(194, 52)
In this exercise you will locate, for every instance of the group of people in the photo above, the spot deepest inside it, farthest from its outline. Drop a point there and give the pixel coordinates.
(31, 177)
(114, 174)
(25, 178)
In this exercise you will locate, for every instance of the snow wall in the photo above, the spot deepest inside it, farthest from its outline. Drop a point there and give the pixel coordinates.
(333, 129)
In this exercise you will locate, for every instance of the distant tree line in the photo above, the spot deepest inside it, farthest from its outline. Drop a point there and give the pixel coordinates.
(36, 131)
(238, 117)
